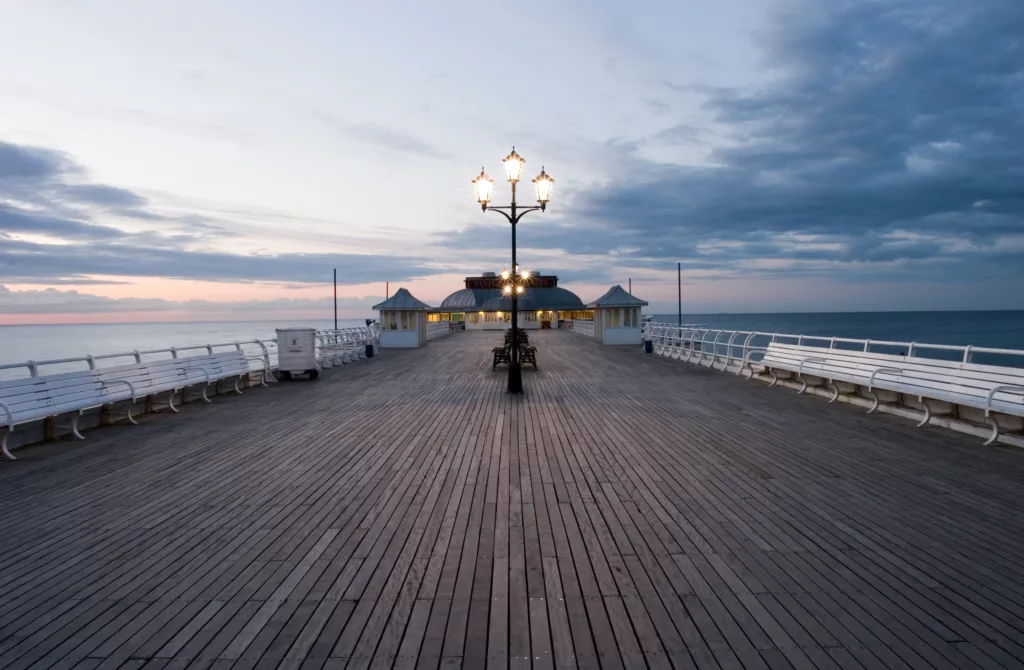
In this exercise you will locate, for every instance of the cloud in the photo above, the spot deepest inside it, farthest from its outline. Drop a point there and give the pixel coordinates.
(46, 194)
(382, 137)
(18, 162)
(23, 261)
(882, 128)
(54, 301)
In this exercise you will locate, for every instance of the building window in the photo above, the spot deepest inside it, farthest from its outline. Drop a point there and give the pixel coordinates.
(613, 319)
(474, 317)
(632, 317)
(389, 321)
(408, 321)
(529, 316)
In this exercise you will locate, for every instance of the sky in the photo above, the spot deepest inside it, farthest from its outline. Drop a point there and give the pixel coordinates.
(218, 159)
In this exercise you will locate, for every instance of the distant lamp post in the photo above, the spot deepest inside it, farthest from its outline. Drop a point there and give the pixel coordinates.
(516, 279)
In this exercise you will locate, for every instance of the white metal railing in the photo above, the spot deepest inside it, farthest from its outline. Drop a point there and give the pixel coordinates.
(735, 350)
(344, 345)
(583, 327)
(437, 329)
(260, 352)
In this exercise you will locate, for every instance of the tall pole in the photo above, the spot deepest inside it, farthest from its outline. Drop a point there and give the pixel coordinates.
(631, 286)
(679, 283)
(335, 298)
(515, 374)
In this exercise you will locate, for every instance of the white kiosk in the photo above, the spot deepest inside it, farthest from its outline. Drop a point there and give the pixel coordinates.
(617, 317)
(403, 321)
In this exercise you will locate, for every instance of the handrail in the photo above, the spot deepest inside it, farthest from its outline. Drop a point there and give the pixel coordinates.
(583, 327)
(699, 343)
(90, 360)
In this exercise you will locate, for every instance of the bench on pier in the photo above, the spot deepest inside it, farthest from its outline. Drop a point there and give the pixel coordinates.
(994, 389)
(503, 354)
(342, 347)
(48, 397)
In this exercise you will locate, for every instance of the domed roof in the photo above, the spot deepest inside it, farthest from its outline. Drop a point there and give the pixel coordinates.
(492, 300)
(468, 299)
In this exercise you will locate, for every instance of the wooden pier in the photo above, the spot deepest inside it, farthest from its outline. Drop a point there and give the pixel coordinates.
(628, 511)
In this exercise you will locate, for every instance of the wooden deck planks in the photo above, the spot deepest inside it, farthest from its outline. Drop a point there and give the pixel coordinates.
(627, 511)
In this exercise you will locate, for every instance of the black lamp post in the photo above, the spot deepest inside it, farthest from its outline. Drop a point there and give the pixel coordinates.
(515, 280)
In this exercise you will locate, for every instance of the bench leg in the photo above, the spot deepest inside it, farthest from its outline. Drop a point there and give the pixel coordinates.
(804, 387)
(995, 432)
(775, 378)
(835, 392)
(927, 413)
(874, 396)
(204, 394)
(237, 381)
(3, 446)
(170, 401)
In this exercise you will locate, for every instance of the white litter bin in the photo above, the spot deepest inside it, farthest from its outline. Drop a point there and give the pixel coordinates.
(296, 352)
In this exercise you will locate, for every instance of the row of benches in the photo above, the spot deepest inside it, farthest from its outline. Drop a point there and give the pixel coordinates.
(992, 389)
(346, 345)
(70, 394)
(937, 387)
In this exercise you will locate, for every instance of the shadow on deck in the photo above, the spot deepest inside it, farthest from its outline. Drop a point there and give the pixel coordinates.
(628, 511)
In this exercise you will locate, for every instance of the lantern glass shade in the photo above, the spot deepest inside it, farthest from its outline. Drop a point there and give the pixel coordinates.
(525, 274)
(543, 182)
(508, 289)
(483, 185)
(519, 289)
(504, 274)
(514, 166)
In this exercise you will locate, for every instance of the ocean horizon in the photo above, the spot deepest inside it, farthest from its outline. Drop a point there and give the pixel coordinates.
(1002, 329)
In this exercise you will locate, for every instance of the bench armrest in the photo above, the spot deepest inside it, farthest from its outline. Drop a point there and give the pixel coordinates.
(122, 381)
(871, 380)
(811, 359)
(993, 392)
(10, 416)
(196, 367)
(754, 350)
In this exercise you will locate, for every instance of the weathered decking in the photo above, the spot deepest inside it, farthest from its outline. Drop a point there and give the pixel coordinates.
(405, 511)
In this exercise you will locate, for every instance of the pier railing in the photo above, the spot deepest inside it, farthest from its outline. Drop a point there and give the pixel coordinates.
(261, 354)
(583, 327)
(436, 329)
(734, 350)
(344, 345)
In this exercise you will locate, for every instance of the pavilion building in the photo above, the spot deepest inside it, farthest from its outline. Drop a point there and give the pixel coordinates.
(483, 306)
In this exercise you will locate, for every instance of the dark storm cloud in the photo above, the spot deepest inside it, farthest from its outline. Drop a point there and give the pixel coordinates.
(895, 134)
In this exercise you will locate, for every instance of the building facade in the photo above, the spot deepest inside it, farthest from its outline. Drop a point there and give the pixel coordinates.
(483, 306)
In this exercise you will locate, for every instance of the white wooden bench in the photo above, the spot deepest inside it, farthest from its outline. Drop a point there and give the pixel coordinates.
(47, 397)
(994, 389)
(343, 346)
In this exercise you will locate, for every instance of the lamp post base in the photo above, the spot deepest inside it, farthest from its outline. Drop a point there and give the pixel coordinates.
(515, 378)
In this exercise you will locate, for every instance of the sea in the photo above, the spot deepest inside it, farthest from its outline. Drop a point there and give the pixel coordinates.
(996, 329)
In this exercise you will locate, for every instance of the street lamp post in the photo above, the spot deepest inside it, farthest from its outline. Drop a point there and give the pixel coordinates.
(515, 280)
